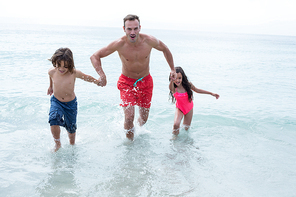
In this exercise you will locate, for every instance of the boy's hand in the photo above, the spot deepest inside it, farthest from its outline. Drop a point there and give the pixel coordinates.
(50, 91)
(96, 82)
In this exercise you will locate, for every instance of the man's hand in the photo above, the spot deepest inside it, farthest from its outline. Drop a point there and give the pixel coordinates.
(102, 81)
(173, 75)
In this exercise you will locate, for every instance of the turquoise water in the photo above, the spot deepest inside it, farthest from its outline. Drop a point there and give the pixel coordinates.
(242, 144)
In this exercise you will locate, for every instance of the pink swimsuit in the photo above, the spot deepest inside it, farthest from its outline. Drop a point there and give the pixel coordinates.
(182, 102)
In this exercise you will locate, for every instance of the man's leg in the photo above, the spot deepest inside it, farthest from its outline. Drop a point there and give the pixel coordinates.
(129, 115)
(143, 115)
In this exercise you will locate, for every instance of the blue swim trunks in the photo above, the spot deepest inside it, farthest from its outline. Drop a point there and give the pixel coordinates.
(63, 114)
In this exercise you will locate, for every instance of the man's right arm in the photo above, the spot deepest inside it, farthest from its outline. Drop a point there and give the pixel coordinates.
(96, 60)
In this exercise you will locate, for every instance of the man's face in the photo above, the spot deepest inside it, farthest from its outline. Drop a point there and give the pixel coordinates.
(132, 29)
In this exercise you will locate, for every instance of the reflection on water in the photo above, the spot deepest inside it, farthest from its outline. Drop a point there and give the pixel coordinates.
(134, 171)
(180, 163)
(61, 180)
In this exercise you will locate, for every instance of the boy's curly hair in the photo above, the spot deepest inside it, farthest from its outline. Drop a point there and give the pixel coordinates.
(63, 54)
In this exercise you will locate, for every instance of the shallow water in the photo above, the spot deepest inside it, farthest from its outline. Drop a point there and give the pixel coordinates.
(242, 144)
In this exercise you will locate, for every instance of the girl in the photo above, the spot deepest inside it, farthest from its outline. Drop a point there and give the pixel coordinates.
(181, 91)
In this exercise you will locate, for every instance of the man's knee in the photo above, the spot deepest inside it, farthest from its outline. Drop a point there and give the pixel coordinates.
(142, 121)
(143, 115)
(129, 118)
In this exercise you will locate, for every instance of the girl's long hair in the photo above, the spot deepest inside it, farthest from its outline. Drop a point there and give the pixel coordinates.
(185, 84)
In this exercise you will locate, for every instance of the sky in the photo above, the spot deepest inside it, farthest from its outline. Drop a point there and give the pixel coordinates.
(275, 17)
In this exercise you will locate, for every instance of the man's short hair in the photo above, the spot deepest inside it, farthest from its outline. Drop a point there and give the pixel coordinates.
(131, 17)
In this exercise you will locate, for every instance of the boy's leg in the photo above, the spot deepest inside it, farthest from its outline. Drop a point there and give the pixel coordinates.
(177, 121)
(188, 119)
(55, 130)
(72, 138)
(129, 115)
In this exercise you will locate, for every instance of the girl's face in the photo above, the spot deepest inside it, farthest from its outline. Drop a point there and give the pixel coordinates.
(62, 68)
(178, 80)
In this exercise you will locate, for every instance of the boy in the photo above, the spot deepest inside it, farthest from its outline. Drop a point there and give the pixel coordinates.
(63, 109)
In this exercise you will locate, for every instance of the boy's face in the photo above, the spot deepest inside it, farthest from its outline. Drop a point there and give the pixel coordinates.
(62, 68)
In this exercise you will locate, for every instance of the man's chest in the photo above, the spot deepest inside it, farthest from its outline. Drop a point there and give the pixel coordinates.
(135, 54)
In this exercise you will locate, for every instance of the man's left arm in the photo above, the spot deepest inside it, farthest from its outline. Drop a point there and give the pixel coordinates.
(159, 45)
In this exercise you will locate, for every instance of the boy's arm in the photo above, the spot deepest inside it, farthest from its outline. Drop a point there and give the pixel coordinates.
(203, 91)
(50, 88)
(86, 77)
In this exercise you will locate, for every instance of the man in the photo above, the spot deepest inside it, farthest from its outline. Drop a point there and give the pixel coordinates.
(135, 83)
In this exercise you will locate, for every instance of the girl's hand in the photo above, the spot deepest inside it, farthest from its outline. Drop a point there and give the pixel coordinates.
(215, 95)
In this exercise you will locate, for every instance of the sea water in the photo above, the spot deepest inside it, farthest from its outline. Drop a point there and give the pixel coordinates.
(242, 144)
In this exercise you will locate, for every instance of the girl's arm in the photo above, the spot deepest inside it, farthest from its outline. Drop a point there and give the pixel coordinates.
(203, 91)
(86, 77)
(171, 85)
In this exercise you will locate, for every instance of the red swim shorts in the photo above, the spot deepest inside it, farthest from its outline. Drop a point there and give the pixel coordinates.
(135, 91)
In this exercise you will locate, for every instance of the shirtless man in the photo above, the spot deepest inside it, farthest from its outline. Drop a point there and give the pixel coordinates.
(135, 83)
